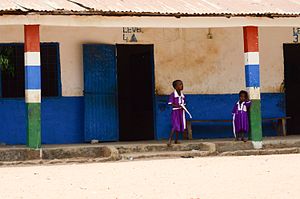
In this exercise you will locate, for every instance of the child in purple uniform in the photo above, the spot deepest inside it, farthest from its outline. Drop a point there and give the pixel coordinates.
(240, 117)
(177, 99)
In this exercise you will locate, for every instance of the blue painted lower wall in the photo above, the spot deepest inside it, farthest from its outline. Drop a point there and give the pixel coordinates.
(62, 118)
(216, 107)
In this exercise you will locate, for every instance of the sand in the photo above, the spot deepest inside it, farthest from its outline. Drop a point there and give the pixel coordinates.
(263, 177)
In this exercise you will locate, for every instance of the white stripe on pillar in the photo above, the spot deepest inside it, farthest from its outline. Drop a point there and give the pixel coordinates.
(33, 95)
(254, 93)
(32, 59)
(251, 58)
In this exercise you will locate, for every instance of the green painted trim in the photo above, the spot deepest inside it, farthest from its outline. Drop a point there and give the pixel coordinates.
(255, 121)
(33, 125)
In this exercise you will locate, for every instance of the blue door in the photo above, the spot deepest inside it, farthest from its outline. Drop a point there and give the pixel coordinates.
(100, 92)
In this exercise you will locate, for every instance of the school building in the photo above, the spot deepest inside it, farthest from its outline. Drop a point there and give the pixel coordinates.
(82, 70)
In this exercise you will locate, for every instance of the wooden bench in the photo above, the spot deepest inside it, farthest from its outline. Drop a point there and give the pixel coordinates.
(190, 132)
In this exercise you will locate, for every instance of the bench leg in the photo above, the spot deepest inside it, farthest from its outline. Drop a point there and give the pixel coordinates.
(277, 127)
(284, 126)
(189, 128)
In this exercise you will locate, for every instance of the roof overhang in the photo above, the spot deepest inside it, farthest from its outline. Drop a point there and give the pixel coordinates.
(148, 21)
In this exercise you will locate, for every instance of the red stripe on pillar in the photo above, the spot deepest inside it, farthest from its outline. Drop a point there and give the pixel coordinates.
(32, 38)
(250, 39)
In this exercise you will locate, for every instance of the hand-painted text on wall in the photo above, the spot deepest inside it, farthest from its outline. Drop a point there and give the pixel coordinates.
(129, 33)
(296, 33)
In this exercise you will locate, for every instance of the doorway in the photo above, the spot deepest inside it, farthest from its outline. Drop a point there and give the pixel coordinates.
(135, 66)
(292, 86)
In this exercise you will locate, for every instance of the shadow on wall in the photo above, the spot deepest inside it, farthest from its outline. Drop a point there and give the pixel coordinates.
(208, 107)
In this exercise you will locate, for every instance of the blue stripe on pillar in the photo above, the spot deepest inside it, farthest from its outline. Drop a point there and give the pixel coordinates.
(33, 77)
(252, 76)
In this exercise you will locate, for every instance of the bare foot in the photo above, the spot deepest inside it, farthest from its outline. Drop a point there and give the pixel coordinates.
(176, 142)
(169, 144)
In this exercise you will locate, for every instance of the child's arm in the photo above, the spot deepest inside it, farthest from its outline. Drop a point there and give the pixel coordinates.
(175, 105)
(248, 103)
(172, 101)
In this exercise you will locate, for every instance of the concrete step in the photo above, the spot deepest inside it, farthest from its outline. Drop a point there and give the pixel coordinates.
(197, 153)
(92, 151)
(165, 154)
(61, 154)
(57, 161)
(261, 152)
(222, 146)
(162, 147)
(275, 144)
(22, 154)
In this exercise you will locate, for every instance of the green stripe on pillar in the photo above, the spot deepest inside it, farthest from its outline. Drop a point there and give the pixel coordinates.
(33, 125)
(255, 121)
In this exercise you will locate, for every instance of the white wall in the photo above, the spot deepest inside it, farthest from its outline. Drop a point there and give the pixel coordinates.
(206, 66)
(271, 56)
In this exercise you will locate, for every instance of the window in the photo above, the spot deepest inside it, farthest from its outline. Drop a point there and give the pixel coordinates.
(49, 70)
(12, 75)
(12, 84)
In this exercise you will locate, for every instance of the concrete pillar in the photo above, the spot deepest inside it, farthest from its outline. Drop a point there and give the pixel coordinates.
(252, 74)
(33, 85)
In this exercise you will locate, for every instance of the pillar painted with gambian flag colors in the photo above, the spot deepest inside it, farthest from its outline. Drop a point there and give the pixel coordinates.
(33, 85)
(252, 73)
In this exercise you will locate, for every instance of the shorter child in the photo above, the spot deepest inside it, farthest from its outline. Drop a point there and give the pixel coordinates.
(177, 100)
(240, 117)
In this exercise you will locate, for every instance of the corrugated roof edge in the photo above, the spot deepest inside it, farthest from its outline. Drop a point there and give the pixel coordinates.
(140, 14)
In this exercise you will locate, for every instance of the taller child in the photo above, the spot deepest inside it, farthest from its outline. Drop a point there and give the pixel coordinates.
(177, 100)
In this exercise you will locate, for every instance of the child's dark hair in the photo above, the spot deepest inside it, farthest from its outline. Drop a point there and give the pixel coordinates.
(175, 83)
(243, 92)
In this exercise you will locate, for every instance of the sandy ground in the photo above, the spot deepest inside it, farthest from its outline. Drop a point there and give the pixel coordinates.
(260, 177)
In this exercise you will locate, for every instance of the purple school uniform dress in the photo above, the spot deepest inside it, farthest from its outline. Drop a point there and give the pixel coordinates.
(240, 117)
(178, 114)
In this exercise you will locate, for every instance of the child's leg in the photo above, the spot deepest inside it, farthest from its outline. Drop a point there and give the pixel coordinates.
(170, 137)
(238, 135)
(176, 139)
(244, 136)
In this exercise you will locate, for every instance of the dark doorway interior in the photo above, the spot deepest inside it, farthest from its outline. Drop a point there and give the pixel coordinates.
(292, 86)
(135, 92)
